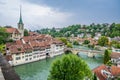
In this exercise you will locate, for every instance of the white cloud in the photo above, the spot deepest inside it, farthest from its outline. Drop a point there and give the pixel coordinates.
(33, 15)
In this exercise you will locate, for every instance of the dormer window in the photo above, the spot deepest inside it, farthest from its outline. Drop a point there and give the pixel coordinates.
(106, 73)
(19, 49)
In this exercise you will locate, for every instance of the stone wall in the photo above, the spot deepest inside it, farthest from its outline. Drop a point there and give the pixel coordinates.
(8, 72)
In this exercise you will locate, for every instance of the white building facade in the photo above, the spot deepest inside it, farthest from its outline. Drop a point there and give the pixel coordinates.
(25, 52)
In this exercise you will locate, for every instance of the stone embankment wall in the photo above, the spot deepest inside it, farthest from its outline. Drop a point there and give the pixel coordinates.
(7, 71)
(1, 75)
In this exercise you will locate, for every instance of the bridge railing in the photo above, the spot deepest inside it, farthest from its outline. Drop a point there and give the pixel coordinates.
(93, 51)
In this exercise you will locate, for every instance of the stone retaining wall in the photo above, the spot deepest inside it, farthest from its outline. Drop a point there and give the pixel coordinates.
(8, 71)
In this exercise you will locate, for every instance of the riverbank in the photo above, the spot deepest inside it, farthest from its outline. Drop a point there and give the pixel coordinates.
(40, 70)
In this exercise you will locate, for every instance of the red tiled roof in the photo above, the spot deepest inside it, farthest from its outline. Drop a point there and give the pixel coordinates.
(33, 33)
(19, 42)
(28, 43)
(114, 70)
(115, 55)
(16, 49)
(56, 41)
(28, 38)
(34, 43)
(9, 44)
(12, 30)
(98, 73)
(41, 36)
(27, 47)
(93, 42)
(44, 44)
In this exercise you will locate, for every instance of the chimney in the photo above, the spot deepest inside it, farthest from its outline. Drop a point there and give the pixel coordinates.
(23, 41)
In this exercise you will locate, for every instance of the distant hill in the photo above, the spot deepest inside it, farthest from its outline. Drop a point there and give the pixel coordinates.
(110, 30)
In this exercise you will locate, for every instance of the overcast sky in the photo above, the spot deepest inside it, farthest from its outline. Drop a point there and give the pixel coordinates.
(38, 14)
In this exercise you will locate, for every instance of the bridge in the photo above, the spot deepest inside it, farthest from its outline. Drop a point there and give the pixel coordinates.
(90, 53)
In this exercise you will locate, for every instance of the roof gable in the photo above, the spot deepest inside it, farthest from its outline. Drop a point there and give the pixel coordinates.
(12, 30)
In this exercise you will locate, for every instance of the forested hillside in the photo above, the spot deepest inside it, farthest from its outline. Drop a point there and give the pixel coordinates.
(110, 30)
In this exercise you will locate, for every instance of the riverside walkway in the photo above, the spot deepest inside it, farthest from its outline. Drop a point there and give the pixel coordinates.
(6, 70)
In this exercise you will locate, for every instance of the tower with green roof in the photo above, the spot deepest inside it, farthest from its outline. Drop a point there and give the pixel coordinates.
(21, 25)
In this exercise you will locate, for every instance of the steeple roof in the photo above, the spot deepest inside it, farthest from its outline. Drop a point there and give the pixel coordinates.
(20, 19)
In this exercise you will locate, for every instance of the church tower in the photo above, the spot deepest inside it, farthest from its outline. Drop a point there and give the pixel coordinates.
(21, 25)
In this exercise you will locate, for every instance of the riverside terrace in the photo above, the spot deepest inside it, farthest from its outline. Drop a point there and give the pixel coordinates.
(33, 48)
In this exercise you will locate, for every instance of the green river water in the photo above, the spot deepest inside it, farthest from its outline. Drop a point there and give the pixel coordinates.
(40, 70)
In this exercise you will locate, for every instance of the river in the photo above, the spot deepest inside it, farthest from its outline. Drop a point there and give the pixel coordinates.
(40, 70)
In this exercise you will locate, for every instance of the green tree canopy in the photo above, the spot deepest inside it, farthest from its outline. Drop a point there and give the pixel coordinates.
(112, 31)
(69, 45)
(26, 32)
(3, 35)
(64, 40)
(75, 43)
(94, 77)
(106, 56)
(103, 41)
(70, 67)
(86, 42)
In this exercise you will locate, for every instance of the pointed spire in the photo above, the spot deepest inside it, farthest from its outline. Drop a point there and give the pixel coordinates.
(20, 20)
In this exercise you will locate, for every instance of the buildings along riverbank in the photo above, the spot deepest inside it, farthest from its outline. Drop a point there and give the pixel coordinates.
(33, 48)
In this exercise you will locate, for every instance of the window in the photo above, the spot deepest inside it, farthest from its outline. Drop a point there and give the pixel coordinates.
(19, 49)
(17, 54)
(17, 58)
(35, 53)
(37, 56)
(34, 56)
(26, 59)
(26, 55)
(30, 58)
(30, 55)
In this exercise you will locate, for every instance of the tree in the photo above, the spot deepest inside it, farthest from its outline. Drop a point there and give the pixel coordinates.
(69, 45)
(106, 56)
(114, 30)
(93, 34)
(75, 43)
(112, 26)
(70, 67)
(2, 48)
(26, 32)
(3, 35)
(91, 46)
(64, 40)
(86, 42)
(94, 77)
(103, 41)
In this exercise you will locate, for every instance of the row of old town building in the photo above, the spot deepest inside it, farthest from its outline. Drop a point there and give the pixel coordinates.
(33, 48)
(30, 48)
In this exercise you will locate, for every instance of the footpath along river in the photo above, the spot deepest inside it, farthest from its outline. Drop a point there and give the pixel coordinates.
(40, 70)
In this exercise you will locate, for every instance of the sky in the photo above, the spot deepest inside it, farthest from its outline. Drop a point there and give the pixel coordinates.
(37, 14)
